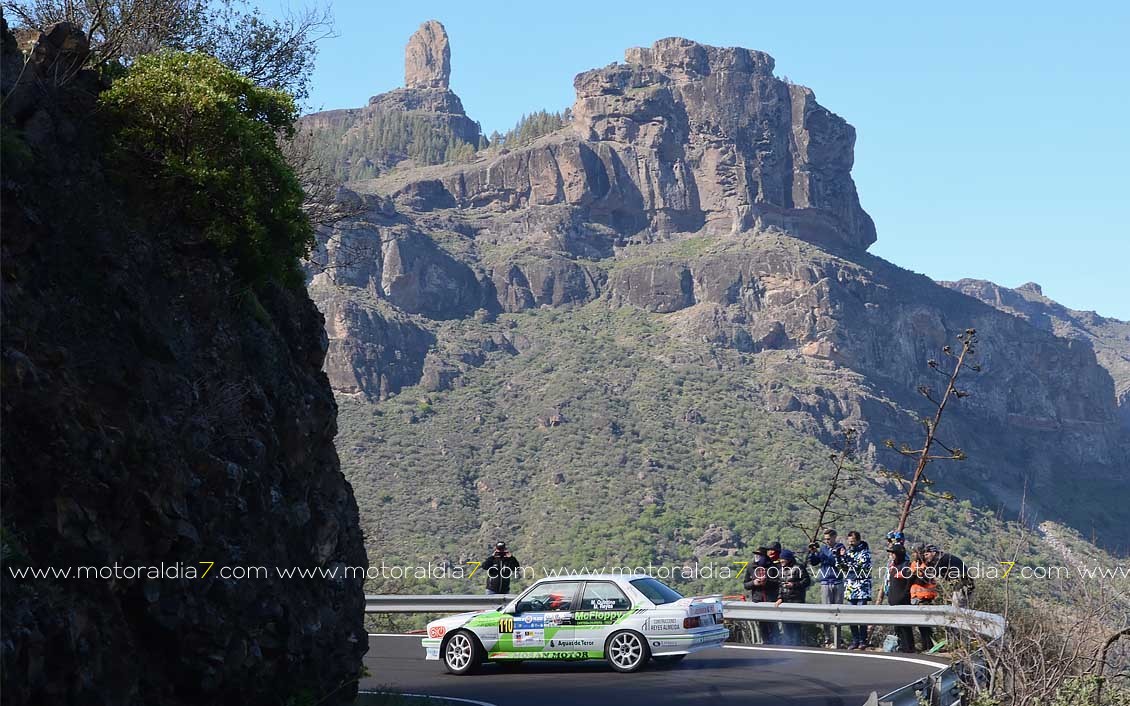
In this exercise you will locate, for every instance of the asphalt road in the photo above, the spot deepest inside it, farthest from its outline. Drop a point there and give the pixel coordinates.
(750, 676)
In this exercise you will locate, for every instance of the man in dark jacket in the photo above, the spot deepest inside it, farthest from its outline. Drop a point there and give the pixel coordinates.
(795, 581)
(501, 566)
(952, 570)
(764, 587)
(899, 579)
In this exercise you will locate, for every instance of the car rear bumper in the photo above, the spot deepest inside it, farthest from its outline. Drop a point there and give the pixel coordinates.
(704, 639)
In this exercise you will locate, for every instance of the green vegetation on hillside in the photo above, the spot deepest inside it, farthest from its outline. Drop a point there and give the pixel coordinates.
(198, 141)
(367, 149)
(530, 127)
(654, 443)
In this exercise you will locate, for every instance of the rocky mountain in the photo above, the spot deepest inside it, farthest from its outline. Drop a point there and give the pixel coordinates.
(664, 313)
(424, 121)
(159, 415)
(1109, 337)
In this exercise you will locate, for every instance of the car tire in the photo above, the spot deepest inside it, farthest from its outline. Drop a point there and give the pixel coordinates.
(668, 660)
(626, 651)
(461, 653)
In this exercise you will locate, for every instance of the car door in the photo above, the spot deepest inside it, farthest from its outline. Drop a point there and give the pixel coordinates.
(542, 618)
(602, 606)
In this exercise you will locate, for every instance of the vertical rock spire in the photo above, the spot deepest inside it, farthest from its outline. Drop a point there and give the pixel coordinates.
(427, 60)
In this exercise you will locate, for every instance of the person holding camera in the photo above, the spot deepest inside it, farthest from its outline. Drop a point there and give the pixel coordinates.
(501, 566)
(832, 560)
(795, 581)
(764, 586)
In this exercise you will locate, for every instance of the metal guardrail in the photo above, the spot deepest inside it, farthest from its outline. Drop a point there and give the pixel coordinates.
(987, 624)
(938, 689)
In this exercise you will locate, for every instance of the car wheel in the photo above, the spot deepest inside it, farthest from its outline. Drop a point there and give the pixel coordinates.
(461, 653)
(626, 651)
(668, 660)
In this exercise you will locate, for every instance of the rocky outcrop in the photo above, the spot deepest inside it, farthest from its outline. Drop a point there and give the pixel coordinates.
(544, 280)
(695, 186)
(162, 422)
(424, 110)
(685, 138)
(427, 60)
(1110, 338)
(371, 352)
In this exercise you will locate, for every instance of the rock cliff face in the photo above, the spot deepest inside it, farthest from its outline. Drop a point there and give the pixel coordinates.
(1110, 338)
(158, 416)
(427, 60)
(694, 185)
(684, 138)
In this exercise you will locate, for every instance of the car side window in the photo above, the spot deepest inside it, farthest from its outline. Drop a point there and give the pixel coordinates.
(549, 596)
(604, 596)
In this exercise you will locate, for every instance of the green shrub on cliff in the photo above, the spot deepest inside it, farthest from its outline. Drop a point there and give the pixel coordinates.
(200, 141)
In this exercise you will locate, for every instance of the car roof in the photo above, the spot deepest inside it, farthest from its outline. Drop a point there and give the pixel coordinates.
(593, 577)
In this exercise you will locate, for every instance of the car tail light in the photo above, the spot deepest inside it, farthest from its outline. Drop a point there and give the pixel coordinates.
(690, 622)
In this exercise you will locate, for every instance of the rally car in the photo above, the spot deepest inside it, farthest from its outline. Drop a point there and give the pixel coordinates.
(624, 619)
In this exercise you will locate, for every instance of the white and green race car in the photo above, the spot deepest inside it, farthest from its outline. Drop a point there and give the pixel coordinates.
(624, 619)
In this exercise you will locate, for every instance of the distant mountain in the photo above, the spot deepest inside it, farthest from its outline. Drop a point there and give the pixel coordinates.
(1109, 337)
(642, 333)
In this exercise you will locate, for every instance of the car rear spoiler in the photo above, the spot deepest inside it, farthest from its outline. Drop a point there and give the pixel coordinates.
(703, 601)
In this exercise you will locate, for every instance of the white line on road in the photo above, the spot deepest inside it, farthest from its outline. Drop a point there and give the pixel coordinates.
(427, 696)
(802, 650)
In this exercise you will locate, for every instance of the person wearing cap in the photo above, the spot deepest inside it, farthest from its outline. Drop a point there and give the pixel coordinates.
(953, 570)
(899, 580)
(857, 583)
(795, 581)
(763, 588)
(832, 560)
(763, 581)
(774, 554)
(893, 538)
(924, 591)
(500, 566)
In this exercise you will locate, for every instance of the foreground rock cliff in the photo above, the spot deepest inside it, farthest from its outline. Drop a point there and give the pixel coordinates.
(157, 412)
(711, 205)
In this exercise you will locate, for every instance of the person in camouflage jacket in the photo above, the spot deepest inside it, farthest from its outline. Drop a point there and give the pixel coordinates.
(857, 583)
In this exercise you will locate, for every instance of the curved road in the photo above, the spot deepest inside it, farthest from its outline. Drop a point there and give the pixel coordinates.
(749, 676)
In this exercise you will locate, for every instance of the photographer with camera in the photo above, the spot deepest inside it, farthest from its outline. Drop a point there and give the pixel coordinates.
(764, 586)
(832, 560)
(795, 581)
(501, 566)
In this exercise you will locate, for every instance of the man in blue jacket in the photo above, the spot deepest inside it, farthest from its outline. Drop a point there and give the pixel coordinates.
(832, 560)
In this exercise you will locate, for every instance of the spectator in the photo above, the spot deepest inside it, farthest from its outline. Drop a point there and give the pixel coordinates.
(795, 581)
(857, 583)
(893, 538)
(953, 571)
(924, 591)
(763, 588)
(899, 580)
(774, 554)
(501, 566)
(832, 560)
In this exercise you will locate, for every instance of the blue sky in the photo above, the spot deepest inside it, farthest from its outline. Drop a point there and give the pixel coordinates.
(992, 137)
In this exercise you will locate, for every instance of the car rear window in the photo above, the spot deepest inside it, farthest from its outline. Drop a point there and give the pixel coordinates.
(656, 591)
